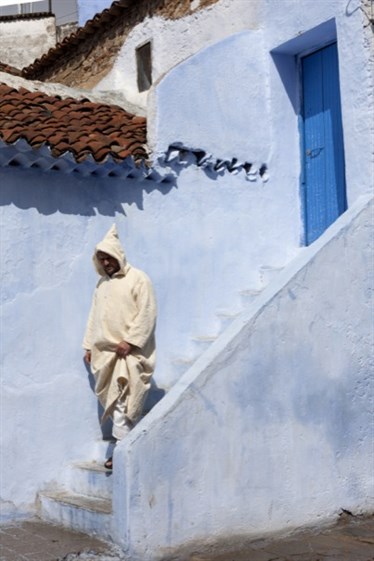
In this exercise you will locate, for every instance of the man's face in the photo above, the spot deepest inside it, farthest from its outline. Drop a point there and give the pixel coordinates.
(109, 263)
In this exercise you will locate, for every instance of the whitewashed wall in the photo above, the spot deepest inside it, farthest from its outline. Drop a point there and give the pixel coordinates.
(24, 40)
(271, 430)
(175, 40)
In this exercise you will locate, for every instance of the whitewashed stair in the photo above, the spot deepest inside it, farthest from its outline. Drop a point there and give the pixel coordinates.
(202, 342)
(85, 501)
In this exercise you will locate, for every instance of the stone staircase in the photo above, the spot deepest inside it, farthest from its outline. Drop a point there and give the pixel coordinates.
(84, 500)
(201, 343)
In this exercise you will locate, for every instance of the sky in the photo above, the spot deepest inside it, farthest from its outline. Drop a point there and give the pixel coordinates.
(65, 10)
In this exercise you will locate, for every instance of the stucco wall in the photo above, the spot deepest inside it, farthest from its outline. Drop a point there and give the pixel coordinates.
(187, 236)
(24, 40)
(271, 430)
(175, 40)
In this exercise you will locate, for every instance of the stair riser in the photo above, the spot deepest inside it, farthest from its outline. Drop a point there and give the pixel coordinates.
(101, 450)
(90, 483)
(201, 346)
(225, 321)
(267, 274)
(93, 523)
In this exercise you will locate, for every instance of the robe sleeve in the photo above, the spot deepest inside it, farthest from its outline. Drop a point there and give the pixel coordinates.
(144, 323)
(88, 336)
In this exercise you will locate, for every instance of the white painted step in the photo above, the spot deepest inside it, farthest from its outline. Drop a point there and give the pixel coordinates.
(203, 342)
(181, 365)
(226, 318)
(268, 273)
(91, 479)
(101, 450)
(249, 295)
(79, 512)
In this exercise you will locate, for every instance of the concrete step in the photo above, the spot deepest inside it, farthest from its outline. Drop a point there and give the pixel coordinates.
(203, 342)
(102, 448)
(181, 365)
(249, 295)
(268, 273)
(90, 479)
(226, 318)
(79, 512)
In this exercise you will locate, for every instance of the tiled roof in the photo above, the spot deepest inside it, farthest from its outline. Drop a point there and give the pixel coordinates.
(101, 21)
(10, 69)
(35, 15)
(120, 16)
(81, 127)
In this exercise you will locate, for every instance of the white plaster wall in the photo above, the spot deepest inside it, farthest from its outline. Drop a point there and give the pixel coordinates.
(271, 430)
(175, 40)
(22, 41)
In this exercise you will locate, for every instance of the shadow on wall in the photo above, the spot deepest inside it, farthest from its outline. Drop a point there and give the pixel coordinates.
(71, 194)
(285, 57)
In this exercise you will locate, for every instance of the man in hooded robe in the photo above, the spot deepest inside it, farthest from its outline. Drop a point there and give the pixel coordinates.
(120, 336)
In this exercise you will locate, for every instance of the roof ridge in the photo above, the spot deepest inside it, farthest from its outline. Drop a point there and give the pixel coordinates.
(34, 15)
(9, 69)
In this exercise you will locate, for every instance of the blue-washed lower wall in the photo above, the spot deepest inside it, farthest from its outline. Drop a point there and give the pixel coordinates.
(271, 430)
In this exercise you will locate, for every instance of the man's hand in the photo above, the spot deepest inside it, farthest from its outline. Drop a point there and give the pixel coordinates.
(87, 357)
(123, 349)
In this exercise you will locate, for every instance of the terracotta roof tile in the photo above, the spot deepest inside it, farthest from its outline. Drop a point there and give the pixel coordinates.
(80, 126)
(10, 69)
(35, 15)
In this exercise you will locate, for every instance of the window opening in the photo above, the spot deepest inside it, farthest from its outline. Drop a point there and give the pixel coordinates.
(144, 66)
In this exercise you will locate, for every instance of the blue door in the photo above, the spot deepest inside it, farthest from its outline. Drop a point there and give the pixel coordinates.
(323, 158)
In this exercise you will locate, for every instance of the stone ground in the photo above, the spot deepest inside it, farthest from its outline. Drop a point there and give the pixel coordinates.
(352, 539)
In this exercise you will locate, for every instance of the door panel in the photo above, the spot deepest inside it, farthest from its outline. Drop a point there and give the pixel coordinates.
(324, 180)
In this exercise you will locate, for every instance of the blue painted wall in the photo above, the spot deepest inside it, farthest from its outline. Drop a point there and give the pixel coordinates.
(195, 240)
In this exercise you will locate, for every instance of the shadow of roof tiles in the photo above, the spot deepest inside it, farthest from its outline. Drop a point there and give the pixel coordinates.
(80, 126)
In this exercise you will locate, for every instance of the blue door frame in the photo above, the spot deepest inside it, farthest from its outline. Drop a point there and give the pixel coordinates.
(324, 190)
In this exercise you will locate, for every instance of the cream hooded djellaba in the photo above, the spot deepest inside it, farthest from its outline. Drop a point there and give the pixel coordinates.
(123, 309)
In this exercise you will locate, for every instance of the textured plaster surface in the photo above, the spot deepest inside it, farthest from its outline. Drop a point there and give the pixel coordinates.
(271, 429)
(38, 34)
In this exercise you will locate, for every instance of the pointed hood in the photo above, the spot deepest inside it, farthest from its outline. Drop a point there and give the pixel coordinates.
(111, 245)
